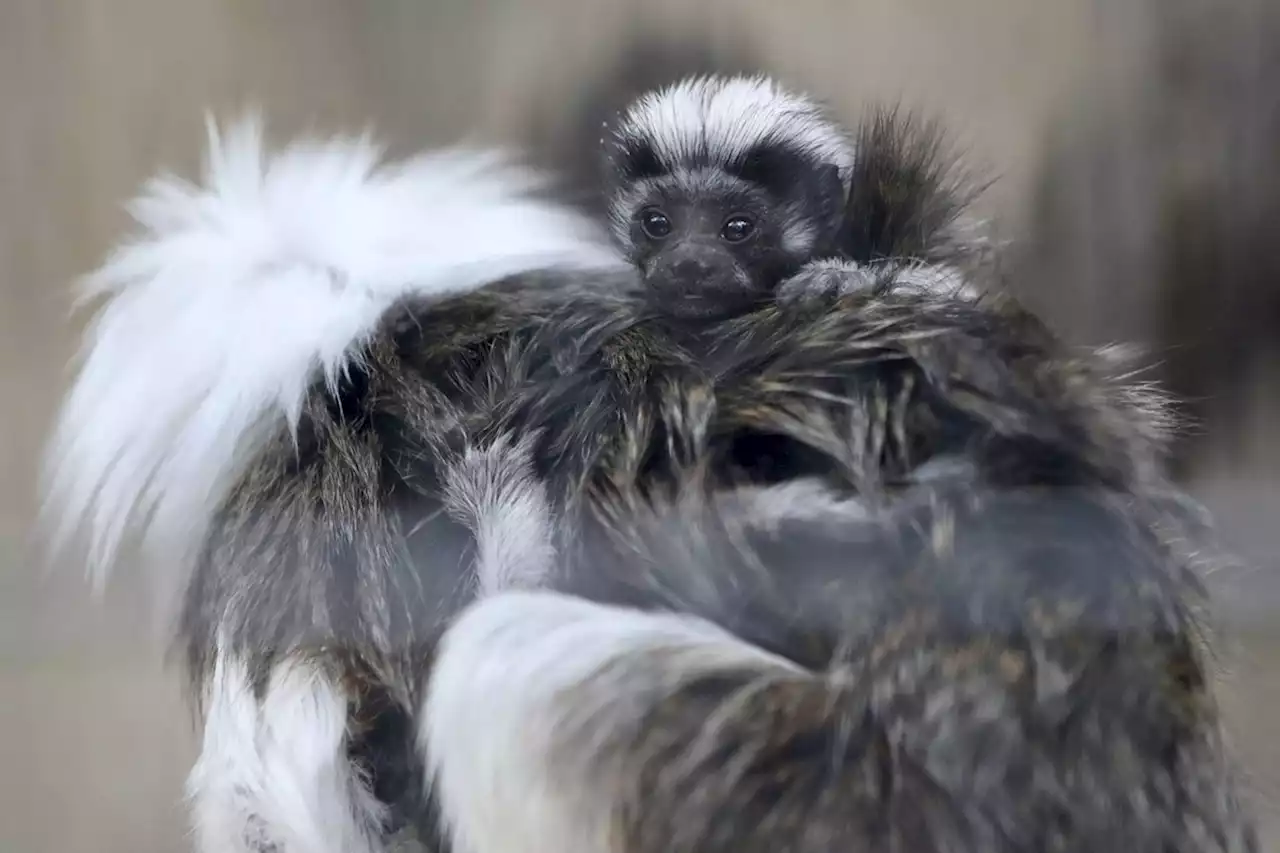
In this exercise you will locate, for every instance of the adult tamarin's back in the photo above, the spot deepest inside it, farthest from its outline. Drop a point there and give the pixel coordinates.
(903, 572)
(924, 585)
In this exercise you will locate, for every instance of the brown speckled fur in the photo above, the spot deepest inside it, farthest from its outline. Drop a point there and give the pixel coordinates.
(1048, 595)
(1009, 657)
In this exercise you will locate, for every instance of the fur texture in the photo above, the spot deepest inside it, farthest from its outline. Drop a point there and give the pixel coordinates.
(716, 122)
(242, 292)
(710, 150)
(273, 770)
(911, 194)
(973, 625)
(711, 147)
(495, 493)
(523, 779)
(676, 725)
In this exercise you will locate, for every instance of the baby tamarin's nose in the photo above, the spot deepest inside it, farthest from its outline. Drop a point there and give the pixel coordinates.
(691, 271)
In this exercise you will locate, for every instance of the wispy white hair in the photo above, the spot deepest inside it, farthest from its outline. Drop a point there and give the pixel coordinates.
(722, 118)
(243, 290)
(529, 692)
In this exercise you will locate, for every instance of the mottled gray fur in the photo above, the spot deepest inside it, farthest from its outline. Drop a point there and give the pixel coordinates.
(970, 602)
(1043, 596)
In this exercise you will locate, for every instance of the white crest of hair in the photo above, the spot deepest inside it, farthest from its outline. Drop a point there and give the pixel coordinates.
(242, 291)
(727, 116)
(496, 493)
(275, 773)
(529, 690)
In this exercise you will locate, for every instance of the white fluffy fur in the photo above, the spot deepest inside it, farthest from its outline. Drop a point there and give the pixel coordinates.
(495, 492)
(731, 115)
(526, 690)
(225, 786)
(277, 773)
(801, 499)
(242, 291)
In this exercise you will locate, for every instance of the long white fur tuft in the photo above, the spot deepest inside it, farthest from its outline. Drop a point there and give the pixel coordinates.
(724, 117)
(275, 773)
(243, 290)
(496, 493)
(527, 692)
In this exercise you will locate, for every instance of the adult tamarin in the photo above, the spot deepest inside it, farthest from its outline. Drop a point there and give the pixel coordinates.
(900, 573)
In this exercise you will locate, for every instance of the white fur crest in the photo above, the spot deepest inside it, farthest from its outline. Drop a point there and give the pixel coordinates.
(244, 290)
(527, 689)
(724, 117)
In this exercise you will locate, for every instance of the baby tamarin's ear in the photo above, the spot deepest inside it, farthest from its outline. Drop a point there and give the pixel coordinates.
(827, 199)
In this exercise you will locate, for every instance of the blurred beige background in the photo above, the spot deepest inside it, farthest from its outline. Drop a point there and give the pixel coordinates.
(95, 96)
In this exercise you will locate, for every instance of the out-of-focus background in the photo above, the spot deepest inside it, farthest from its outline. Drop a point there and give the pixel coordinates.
(97, 96)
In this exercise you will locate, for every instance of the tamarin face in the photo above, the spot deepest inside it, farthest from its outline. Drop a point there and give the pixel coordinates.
(720, 187)
(707, 240)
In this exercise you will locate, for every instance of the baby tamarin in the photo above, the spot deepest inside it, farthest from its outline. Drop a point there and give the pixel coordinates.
(728, 190)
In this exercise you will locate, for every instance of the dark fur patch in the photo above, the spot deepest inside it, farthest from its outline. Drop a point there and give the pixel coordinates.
(1008, 658)
(908, 189)
(338, 549)
(636, 160)
(772, 166)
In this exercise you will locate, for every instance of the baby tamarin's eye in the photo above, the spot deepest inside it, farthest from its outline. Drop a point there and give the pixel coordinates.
(737, 228)
(655, 223)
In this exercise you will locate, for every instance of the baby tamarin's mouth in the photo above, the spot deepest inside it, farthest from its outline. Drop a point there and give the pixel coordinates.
(708, 306)
(709, 302)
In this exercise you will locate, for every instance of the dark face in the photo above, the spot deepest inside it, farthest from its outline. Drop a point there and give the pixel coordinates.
(713, 244)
